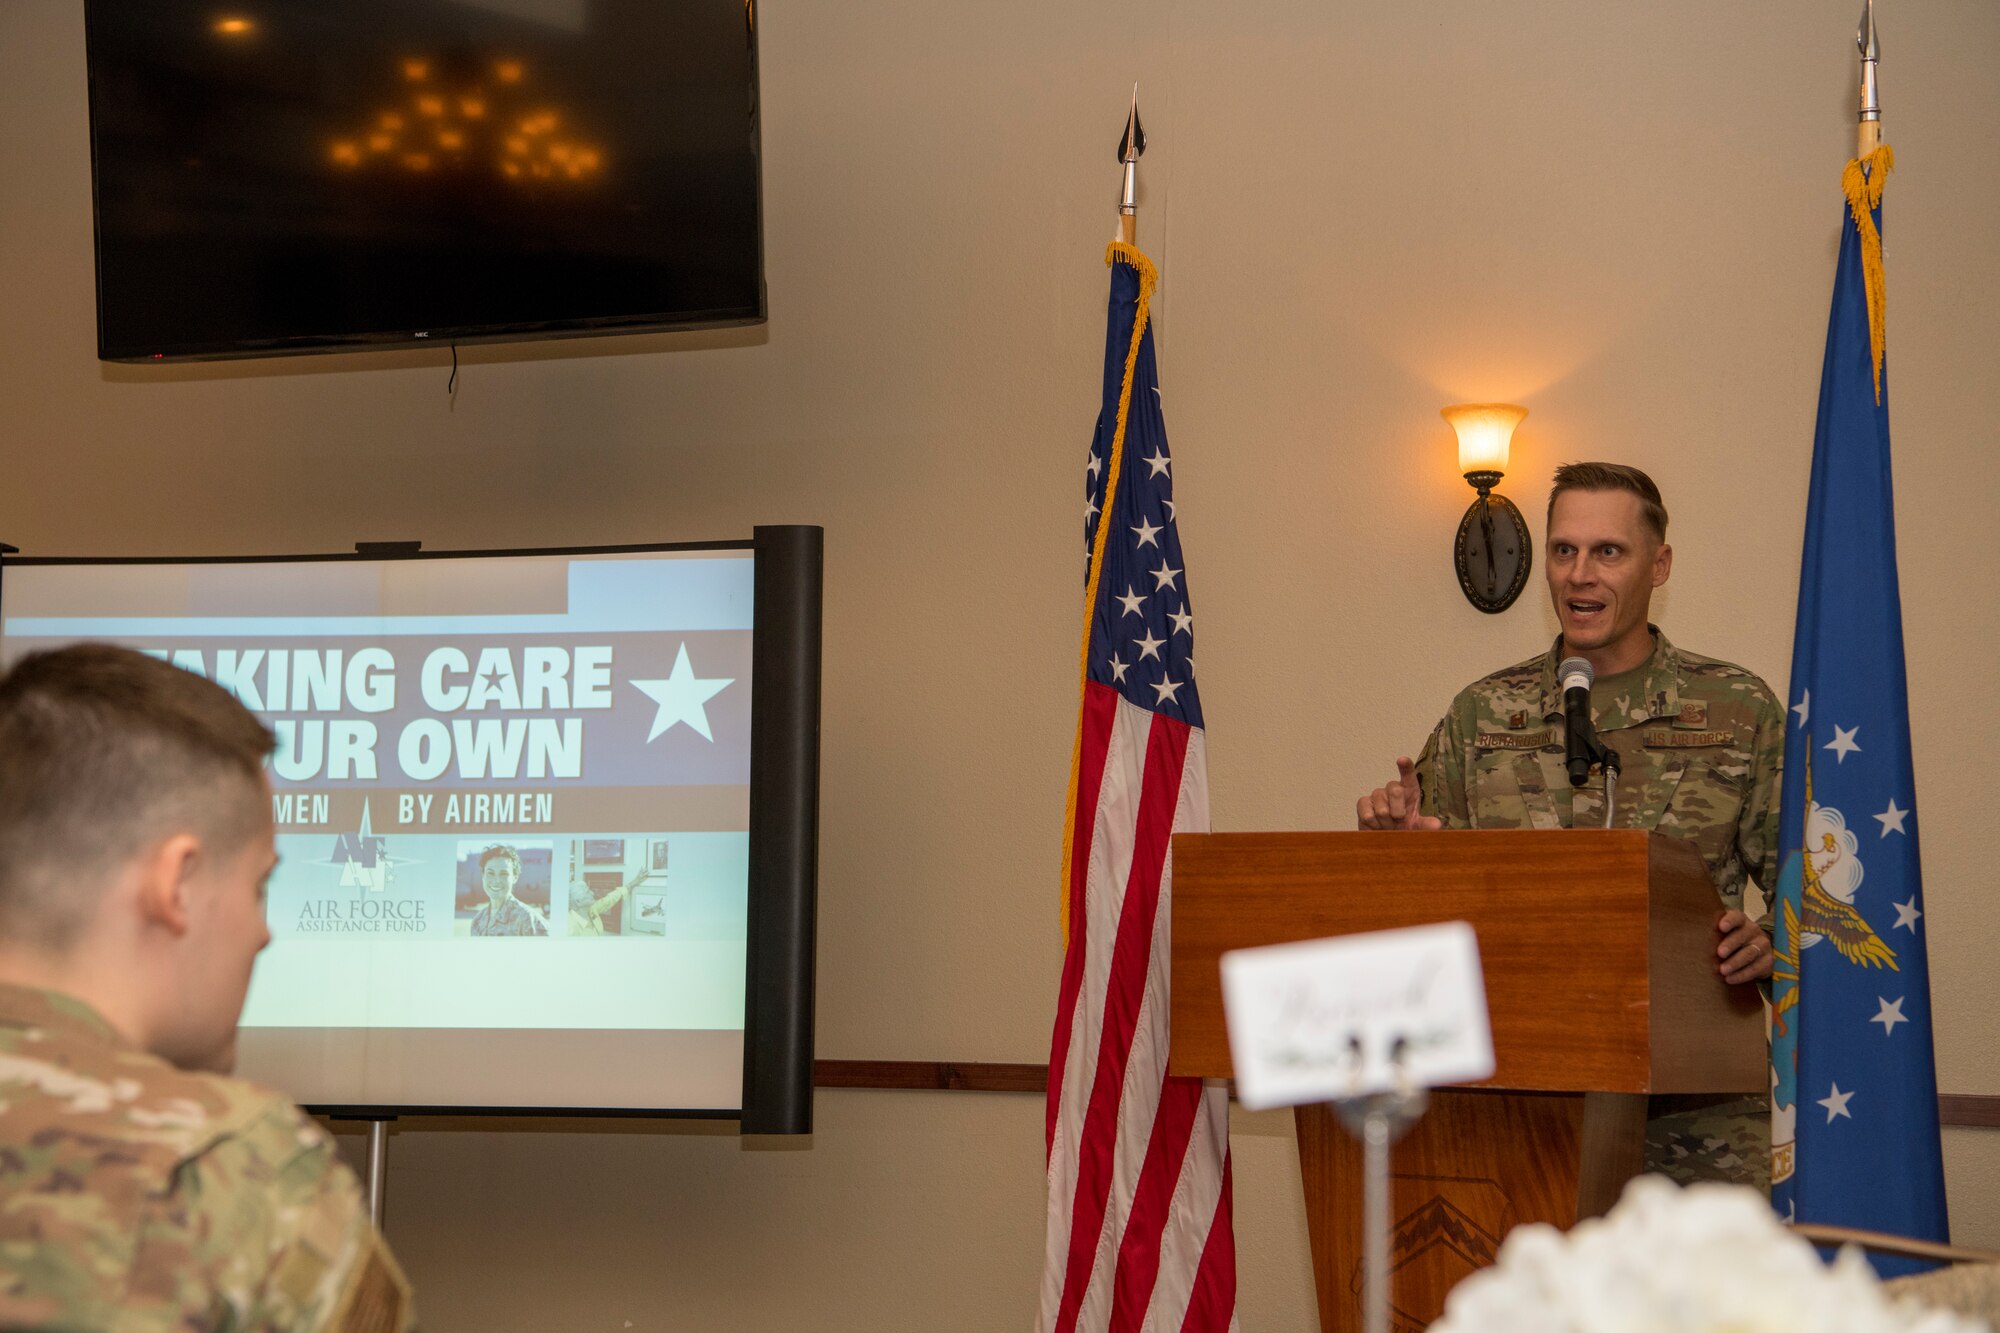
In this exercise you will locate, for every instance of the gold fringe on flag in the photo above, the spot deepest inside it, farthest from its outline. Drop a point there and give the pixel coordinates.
(1863, 181)
(1148, 277)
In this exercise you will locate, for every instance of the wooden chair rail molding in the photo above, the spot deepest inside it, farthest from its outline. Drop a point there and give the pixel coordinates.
(1963, 1110)
(1884, 1243)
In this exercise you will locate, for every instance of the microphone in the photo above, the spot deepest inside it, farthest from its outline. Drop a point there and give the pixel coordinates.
(1576, 674)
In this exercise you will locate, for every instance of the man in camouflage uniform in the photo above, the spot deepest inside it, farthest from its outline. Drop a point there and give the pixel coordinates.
(1700, 744)
(140, 1187)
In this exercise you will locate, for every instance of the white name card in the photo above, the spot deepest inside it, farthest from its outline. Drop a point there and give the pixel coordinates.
(1323, 1020)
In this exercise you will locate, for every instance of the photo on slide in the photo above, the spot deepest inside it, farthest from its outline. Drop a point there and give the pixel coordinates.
(617, 887)
(503, 889)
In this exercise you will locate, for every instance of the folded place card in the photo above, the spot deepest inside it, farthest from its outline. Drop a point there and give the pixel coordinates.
(1323, 1020)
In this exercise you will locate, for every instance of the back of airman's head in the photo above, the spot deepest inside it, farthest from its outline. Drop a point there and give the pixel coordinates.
(103, 752)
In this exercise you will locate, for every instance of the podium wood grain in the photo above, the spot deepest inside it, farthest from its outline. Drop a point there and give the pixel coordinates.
(1598, 951)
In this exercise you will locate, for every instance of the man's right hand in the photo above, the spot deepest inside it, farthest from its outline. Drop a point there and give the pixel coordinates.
(1396, 805)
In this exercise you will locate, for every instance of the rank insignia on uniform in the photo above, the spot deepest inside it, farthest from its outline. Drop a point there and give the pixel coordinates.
(1692, 715)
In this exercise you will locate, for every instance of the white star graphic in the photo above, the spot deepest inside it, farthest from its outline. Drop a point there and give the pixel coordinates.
(1149, 647)
(1130, 601)
(1165, 576)
(1089, 510)
(1170, 510)
(1892, 819)
(1118, 668)
(1183, 622)
(1842, 743)
(1836, 1104)
(1166, 690)
(1158, 462)
(1095, 464)
(1907, 914)
(1803, 707)
(1147, 532)
(681, 696)
(1891, 1014)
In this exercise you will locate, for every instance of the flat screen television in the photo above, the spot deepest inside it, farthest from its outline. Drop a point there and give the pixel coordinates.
(484, 762)
(277, 176)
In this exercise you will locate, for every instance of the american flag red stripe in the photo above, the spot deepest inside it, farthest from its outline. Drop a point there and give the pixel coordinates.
(1136, 920)
(1099, 707)
(1139, 1253)
(1139, 1214)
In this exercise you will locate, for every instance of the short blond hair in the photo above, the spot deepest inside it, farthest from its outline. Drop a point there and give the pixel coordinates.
(1613, 477)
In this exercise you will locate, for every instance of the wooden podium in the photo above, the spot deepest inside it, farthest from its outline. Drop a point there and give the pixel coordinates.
(1598, 947)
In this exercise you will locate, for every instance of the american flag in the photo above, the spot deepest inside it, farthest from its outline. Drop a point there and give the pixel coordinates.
(1139, 1218)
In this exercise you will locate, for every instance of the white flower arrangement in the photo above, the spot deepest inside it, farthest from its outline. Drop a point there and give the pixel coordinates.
(1705, 1259)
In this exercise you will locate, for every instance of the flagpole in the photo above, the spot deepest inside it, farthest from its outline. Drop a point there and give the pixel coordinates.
(1868, 136)
(1130, 145)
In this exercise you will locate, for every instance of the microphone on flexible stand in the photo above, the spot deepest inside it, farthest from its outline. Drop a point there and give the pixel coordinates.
(1581, 745)
(1576, 674)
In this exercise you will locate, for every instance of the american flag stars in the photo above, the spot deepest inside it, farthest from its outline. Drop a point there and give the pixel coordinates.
(1142, 636)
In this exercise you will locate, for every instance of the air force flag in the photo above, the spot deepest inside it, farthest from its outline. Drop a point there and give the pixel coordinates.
(1854, 1105)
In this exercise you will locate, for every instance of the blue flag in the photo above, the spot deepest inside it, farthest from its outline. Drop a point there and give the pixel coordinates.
(1854, 1107)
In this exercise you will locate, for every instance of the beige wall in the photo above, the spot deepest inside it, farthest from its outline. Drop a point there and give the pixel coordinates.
(1621, 215)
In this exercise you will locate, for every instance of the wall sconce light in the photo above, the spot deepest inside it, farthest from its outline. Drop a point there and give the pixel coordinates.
(1493, 553)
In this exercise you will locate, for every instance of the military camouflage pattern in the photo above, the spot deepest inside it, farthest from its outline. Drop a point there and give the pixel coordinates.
(510, 917)
(136, 1196)
(1729, 1142)
(1701, 745)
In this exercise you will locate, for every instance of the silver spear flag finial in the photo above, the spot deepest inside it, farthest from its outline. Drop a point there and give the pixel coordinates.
(1130, 145)
(1871, 52)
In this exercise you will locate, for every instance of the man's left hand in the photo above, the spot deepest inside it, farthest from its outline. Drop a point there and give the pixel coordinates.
(1745, 950)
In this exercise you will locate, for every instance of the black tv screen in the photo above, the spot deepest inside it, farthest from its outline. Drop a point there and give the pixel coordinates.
(279, 176)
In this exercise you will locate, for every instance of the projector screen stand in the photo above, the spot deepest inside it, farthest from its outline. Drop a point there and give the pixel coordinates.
(378, 1161)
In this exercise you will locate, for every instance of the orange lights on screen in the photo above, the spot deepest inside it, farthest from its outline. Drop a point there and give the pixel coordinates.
(460, 124)
(234, 25)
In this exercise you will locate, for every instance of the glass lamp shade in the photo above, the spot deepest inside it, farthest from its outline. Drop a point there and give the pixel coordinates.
(1484, 432)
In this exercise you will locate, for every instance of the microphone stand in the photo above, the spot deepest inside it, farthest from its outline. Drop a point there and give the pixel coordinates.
(1606, 759)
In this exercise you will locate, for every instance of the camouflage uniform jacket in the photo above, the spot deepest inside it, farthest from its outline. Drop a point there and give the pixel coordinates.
(137, 1196)
(1701, 743)
(510, 917)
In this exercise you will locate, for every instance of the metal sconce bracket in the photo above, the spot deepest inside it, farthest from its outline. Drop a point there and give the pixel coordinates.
(1493, 552)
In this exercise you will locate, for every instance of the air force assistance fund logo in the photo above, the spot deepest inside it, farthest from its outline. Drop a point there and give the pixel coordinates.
(368, 872)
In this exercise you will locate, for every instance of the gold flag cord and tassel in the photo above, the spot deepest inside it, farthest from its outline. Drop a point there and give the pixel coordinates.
(1148, 277)
(1863, 181)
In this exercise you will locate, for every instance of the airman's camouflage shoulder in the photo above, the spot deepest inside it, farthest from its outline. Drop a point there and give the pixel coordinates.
(307, 1254)
(1725, 674)
(1509, 699)
(1522, 676)
(144, 1196)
